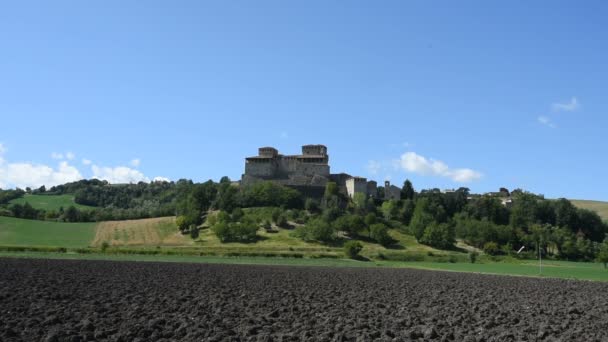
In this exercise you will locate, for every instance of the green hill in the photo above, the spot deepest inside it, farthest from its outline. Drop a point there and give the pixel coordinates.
(20, 232)
(600, 207)
(49, 202)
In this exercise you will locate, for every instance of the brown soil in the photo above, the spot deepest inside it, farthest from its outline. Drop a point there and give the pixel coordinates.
(53, 300)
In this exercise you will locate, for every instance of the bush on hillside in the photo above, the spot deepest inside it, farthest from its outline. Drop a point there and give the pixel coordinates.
(352, 248)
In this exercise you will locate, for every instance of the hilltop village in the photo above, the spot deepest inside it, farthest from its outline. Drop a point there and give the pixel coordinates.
(309, 173)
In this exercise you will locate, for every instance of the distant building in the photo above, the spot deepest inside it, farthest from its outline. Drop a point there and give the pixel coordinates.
(391, 192)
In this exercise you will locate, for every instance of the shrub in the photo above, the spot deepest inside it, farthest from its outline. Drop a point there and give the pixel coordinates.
(235, 232)
(281, 221)
(379, 232)
(473, 256)
(491, 248)
(352, 248)
(439, 236)
(194, 232)
(104, 246)
(316, 230)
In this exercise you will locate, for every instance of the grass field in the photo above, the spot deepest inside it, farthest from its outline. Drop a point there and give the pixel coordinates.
(49, 202)
(551, 269)
(600, 207)
(20, 232)
(160, 231)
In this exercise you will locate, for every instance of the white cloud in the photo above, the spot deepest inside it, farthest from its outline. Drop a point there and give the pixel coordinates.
(24, 175)
(86, 161)
(135, 162)
(412, 162)
(70, 156)
(56, 155)
(571, 106)
(2, 149)
(119, 174)
(161, 179)
(373, 167)
(546, 121)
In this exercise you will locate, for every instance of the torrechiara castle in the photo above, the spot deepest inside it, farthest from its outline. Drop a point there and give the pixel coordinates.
(307, 172)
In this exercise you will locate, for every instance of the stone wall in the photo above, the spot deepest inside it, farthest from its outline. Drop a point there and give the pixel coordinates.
(355, 185)
(260, 169)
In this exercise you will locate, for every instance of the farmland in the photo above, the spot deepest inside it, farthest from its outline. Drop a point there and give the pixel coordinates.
(108, 301)
(49, 202)
(599, 207)
(20, 232)
(145, 232)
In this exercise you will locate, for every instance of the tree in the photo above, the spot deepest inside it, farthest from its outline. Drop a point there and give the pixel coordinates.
(370, 219)
(421, 218)
(360, 203)
(407, 191)
(379, 232)
(331, 189)
(407, 211)
(351, 224)
(71, 214)
(565, 214)
(352, 248)
(311, 205)
(473, 256)
(390, 209)
(491, 248)
(523, 213)
(602, 256)
(439, 235)
(316, 230)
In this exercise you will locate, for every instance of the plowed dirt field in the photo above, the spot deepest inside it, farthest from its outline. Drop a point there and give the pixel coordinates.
(63, 300)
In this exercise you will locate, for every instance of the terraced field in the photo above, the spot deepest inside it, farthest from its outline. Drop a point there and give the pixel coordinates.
(52, 300)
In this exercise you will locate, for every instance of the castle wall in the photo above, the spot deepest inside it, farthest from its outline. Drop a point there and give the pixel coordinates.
(372, 189)
(355, 185)
(260, 169)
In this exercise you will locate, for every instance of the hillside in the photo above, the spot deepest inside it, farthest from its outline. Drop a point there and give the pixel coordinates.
(146, 233)
(49, 202)
(160, 231)
(21, 232)
(598, 206)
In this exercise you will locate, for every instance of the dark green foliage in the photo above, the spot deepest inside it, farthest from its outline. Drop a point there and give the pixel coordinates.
(351, 224)
(390, 209)
(311, 205)
(439, 235)
(407, 191)
(491, 248)
(194, 232)
(407, 211)
(370, 219)
(352, 248)
(268, 194)
(379, 232)
(489, 208)
(9, 195)
(235, 231)
(602, 256)
(523, 213)
(316, 230)
(422, 218)
(473, 257)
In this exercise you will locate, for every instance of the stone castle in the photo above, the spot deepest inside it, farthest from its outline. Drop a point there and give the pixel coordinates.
(307, 172)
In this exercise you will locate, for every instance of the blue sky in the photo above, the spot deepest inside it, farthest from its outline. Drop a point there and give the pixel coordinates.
(447, 94)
